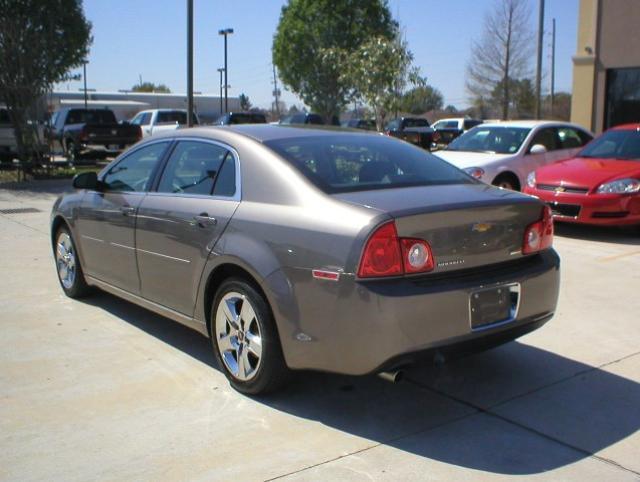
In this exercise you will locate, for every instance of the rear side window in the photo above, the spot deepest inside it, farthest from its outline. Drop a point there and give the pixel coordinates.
(364, 162)
(569, 138)
(193, 168)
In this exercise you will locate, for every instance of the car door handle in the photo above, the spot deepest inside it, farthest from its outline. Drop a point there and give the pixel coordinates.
(203, 220)
(126, 210)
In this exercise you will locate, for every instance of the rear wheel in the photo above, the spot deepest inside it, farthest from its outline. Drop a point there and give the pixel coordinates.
(68, 266)
(507, 181)
(71, 152)
(245, 340)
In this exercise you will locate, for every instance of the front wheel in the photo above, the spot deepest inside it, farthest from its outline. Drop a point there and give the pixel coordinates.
(245, 340)
(68, 266)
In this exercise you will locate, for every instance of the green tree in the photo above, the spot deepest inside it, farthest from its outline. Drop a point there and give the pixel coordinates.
(151, 87)
(522, 97)
(422, 99)
(314, 40)
(245, 104)
(40, 41)
(379, 71)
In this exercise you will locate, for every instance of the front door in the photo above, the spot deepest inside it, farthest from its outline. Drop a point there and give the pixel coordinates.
(107, 218)
(179, 224)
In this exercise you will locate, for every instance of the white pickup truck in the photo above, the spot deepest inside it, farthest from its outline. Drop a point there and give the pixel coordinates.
(161, 120)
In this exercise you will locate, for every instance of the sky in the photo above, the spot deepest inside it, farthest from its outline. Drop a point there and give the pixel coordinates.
(146, 39)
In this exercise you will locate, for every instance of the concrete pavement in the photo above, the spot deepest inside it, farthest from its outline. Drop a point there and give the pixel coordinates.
(102, 389)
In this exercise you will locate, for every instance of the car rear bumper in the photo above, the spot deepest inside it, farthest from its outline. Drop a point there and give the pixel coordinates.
(599, 209)
(356, 328)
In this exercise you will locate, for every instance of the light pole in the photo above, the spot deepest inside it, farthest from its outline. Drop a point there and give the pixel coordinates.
(190, 63)
(221, 70)
(84, 79)
(225, 32)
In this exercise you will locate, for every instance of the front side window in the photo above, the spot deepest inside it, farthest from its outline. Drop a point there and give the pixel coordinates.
(194, 167)
(497, 139)
(547, 138)
(362, 162)
(618, 144)
(133, 173)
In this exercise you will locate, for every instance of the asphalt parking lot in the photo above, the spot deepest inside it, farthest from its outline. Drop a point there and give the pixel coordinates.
(102, 389)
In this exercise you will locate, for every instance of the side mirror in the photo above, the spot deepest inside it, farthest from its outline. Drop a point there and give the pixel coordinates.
(537, 149)
(86, 180)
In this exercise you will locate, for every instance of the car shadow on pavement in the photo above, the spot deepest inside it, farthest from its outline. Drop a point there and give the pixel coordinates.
(629, 235)
(514, 410)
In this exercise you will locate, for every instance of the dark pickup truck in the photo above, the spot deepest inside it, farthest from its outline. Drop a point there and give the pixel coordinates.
(78, 131)
(411, 129)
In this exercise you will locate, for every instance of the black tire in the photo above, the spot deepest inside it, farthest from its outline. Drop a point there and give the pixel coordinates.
(507, 181)
(78, 287)
(270, 371)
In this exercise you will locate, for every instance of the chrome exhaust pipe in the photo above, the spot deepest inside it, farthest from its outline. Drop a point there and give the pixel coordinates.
(393, 376)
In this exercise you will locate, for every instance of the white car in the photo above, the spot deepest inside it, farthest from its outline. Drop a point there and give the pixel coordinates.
(503, 154)
(161, 120)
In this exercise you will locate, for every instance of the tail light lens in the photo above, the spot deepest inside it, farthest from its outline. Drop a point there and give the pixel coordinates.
(84, 135)
(385, 254)
(539, 235)
(436, 136)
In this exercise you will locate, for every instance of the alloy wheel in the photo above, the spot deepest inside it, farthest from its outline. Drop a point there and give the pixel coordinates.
(66, 260)
(238, 336)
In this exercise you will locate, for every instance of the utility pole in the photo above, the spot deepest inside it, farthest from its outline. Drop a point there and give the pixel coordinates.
(84, 78)
(225, 32)
(553, 65)
(190, 63)
(276, 92)
(221, 70)
(539, 62)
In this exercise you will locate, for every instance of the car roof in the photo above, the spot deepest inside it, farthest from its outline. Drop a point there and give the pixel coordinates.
(627, 127)
(530, 124)
(267, 132)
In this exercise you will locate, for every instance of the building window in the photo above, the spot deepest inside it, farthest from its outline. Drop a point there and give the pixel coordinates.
(623, 97)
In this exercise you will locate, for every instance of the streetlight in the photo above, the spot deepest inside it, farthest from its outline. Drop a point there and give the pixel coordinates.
(221, 70)
(84, 78)
(225, 32)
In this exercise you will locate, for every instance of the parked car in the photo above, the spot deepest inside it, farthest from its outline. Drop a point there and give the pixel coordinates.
(232, 118)
(306, 118)
(285, 245)
(411, 129)
(446, 130)
(600, 185)
(364, 124)
(78, 130)
(504, 153)
(8, 145)
(159, 120)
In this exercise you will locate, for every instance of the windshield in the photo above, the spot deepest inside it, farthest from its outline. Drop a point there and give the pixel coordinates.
(347, 163)
(90, 116)
(622, 144)
(172, 117)
(498, 140)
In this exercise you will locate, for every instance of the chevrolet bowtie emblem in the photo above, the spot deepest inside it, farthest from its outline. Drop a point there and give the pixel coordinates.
(560, 189)
(481, 227)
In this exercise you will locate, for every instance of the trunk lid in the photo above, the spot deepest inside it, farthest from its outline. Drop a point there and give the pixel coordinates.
(465, 225)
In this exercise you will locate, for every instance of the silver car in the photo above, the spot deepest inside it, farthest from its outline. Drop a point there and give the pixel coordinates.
(298, 248)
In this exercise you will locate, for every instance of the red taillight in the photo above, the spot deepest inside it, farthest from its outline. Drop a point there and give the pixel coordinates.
(385, 254)
(83, 134)
(381, 256)
(416, 255)
(436, 136)
(539, 235)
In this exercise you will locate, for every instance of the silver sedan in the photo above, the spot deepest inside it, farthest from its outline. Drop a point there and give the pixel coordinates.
(296, 248)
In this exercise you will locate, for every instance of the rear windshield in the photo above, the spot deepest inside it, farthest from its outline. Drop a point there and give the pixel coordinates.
(90, 116)
(172, 117)
(623, 144)
(500, 140)
(416, 123)
(348, 163)
(247, 119)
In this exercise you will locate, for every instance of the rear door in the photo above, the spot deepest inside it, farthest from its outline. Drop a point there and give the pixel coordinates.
(179, 224)
(107, 218)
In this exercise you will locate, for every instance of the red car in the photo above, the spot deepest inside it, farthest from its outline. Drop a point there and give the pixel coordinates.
(601, 185)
